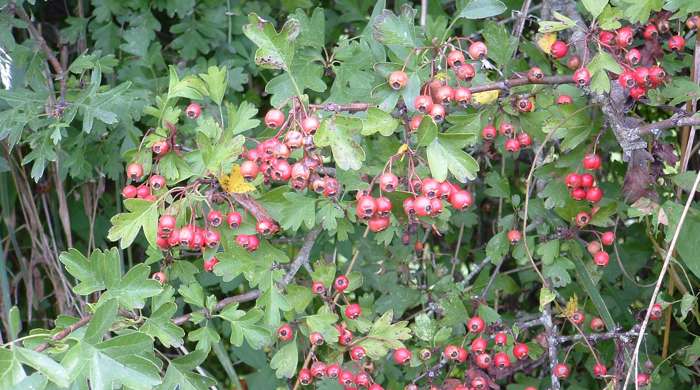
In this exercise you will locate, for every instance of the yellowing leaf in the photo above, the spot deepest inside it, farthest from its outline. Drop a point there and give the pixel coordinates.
(545, 41)
(234, 183)
(402, 149)
(571, 307)
(487, 97)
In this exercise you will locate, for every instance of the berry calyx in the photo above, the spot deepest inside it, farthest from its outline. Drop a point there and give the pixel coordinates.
(316, 338)
(451, 352)
(160, 147)
(582, 219)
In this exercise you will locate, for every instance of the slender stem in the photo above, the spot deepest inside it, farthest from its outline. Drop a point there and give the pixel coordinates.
(225, 361)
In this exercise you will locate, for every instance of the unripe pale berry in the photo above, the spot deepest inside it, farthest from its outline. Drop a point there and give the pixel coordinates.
(477, 50)
(455, 58)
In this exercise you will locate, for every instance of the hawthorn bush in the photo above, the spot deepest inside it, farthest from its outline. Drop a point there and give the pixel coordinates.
(444, 195)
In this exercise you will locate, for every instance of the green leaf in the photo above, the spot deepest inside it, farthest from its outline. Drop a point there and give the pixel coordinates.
(555, 194)
(444, 156)
(275, 50)
(180, 373)
(190, 87)
(604, 61)
(383, 336)
(424, 327)
(273, 301)
(500, 42)
(595, 7)
(305, 72)
(396, 30)
(215, 80)
(681, 90)
(378, 121)
(688, 245)
(427, 131)
(133, 289)
(241, 119)
(101, 321)
(299, 297)
(125, 226)
(637, 11)
(284, 362)
(312, 28)
(548, 251)
(546, 297)
(244, 325)
(193, 294)
(338, 132)
(585, 279)
(290, 209)
(498, 186)
(324, 273)
(489, 314)
(324, 323)
(497, 247)
(44, 364)
(160, 326)
(15, 323)
(481, 9)
(328, 214)
(557, 273)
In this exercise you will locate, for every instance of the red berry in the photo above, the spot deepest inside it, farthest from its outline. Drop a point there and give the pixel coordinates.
(310, 124)
(524, 139)
(501, 360)
(318, 369)
(160, 277)
(601, 258)
(479, 345)
(582, 219)
(650, 32)
(143, 191)
(643, 379)
(593, 247)
(398, 79)
(435, 206)
(383, 206)
(520, 351)
(402, 356)
(582, 77)
(488, 132)
(156, 182)
(134, 171)
(606, 37)
(285, 332)
(607, 238)
(430, 188)
(514, 236)
(193, 111)
(423, 206)
(234, 219)
(212, 238)
(676, 43)
(388, 182)
(415, 122)
(167, 223)
(210, 264)
(305, 377)
(281, 170)
(316, 338)
(512, 145)
(578, 194)
(353, 311)
(346, 378)
(524, 104)
(375, 386)
(657, 75)
(594, 194)
(345, 336)
(446, 189)
(578, 317)
(357, 353)
(162, 243)
(160, 147)
(564, 99)
(535, 74)
(463, 96)
(626, 79)
(366, 207)
(476, 325)
(444, 94)
(500, 338)
(274, 118)
(341, 283)
(409, 206)
(587, 180)
(656, 312)
(465, 72)
(266, 227)
(455, 58)
(562, 371)
(478, 383)
(624, 36)
(483, 360)
(506, 129)
(249, 170)
(462, 355)
(559, 49)
(477, 50)
(599, 370)
(641, 76)
(597, 324)
(248, 241)
(318, 287)
(573, 180)
(633, 56)
(331, 186)
(461, 199)
(362, 379)
(423, 103)
(129, 191)
(437, 112)
(638, 93)
(451, 352)
(378, 223)
(215, 217)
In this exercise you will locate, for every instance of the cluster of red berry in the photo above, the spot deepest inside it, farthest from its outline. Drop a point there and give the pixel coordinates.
(377, 211)
(514, 140)
(584, 186)
(271, 157)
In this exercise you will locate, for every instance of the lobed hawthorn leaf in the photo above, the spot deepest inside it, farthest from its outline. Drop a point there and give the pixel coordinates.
(497, 247)
(42, 363)
(275, 50)
(91, 273)
(312, 28)
(324, 322)
(378, 121)
(444, 156)
(305, 72)
(215, 81)
(339, 132)
(384, 336)
(240, 119)
(133, 288)
(160, 326)
(141, 214)
(595, 7)
(638, 11)
(501, 43)
(285, 360)
(180, 373)
(244, 325)
(290, 209)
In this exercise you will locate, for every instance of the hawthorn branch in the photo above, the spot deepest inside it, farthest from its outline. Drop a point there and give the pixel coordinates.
(552, 344)
(302, 257)
(252, 206)
(674, 121)
(64, 333)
